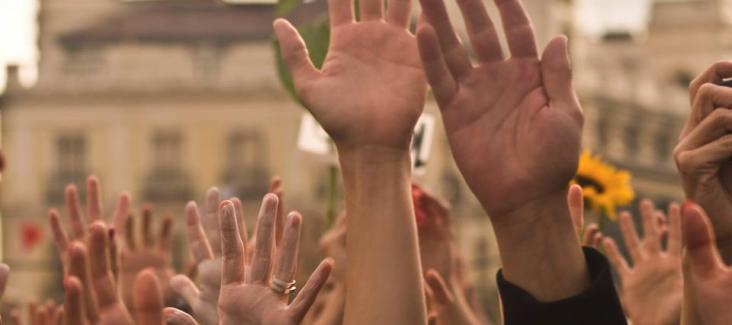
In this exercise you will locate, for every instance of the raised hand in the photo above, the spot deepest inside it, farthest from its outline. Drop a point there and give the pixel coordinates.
(91, 288)
(652, 288)
(148, 251)
(702, 155)
(204, 297)
(77, 220)
(256, 293)
(514, 122)
(371, 88)
(368, 96)
(514, 128)
(708, 281)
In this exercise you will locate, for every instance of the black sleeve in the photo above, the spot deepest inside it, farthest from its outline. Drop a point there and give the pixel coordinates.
(599, 305)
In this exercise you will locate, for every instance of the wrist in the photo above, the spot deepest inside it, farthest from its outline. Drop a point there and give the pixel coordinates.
(540, 236)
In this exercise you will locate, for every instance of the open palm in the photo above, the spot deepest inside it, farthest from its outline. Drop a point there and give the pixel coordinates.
(513, 122)
(371, 88)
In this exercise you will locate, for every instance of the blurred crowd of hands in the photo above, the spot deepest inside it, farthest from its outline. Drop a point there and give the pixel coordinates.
(514, 126)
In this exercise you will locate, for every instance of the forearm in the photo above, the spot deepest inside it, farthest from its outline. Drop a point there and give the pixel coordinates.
(540, 251)
(384, 276)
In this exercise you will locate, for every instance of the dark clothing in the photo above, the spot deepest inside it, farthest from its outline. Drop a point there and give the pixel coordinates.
(598, 305)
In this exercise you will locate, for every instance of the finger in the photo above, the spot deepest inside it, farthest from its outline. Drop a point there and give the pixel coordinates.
(130, 232)
(651, 238)
(674, 230)
(262, 260)
(41, 314)
(73, 302)
(399, 12)
(517, 27)
(302, 302)
(232, 247)
(101, 270)
(148, 299)
(557, 73)
(708, 99)
(341, 12)
(589, 234)
(481, 31)
(597, 240)
(715, 74)
(275, 188)
(289, 250)
(705, 160)
(576, 203)
(443, 85)
(58, 316)
(210, 219)
(93, 198)
(455, 56)
(4, 274)
(166, 231)
(371, 9)
(241, 222)
(147, 232)
(73, 207)
(121, 212)
(80, 268)
(198, 242)
(701, 251)
(183, 286)
(174, 316)
(294, 53)
(15, 318)
(439, 289)
(113, 253)
(630, 236)
(59, 236)
(716, 125)
(616, 259)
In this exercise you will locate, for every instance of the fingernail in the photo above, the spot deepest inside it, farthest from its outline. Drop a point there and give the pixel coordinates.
(688, 205)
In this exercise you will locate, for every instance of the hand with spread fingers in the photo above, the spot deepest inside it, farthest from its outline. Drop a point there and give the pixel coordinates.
(258, 292)
(371, 88)
(515, 122)
(97, 289)
(368, 96)
(77, 220)
(703, 153)
(652, 288)
(707, 280)
(147, 251)
(203, 237)
(45, 314)
(522, 109)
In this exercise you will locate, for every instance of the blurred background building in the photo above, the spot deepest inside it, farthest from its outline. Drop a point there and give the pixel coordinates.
(166, 98)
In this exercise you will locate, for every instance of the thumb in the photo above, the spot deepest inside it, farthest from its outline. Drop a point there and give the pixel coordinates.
(557, 72)
(701, 251)
(183, 286)
(174, 316)
(294, 53)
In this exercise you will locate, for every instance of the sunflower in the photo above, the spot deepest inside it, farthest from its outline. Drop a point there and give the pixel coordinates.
(604, 187)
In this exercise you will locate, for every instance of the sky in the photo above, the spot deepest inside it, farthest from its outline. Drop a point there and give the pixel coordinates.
(18, 44)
